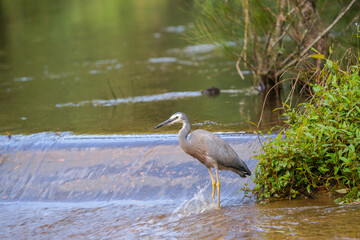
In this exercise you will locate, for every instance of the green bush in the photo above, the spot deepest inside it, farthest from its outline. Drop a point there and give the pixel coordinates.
(321, 148)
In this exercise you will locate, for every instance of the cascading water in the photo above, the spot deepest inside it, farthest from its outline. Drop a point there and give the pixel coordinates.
(142, 187)
(48, 167)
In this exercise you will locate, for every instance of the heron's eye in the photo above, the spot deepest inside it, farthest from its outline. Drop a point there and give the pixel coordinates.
(176, 117)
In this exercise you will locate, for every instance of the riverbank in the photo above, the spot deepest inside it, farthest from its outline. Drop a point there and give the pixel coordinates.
(320, 148)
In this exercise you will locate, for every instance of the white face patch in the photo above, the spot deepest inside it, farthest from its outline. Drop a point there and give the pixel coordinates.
(175, 115)
(176, 118)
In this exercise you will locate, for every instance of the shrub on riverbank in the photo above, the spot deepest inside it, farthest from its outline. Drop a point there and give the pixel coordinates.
(321, 148)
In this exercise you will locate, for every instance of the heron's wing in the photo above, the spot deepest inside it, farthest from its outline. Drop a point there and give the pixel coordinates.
(219, 150)
(197, 151)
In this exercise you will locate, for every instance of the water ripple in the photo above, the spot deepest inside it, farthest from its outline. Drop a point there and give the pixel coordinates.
(153, 98)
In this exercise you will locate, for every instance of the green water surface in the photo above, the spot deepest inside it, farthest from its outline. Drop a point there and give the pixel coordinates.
(57, 57)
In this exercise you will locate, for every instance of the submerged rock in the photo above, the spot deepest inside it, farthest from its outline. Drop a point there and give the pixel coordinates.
(212, 91)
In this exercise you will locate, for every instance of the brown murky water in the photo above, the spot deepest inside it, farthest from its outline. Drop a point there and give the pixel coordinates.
(169, 220)
(144, 187)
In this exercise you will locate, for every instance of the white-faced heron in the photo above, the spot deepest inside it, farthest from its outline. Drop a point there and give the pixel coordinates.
(209, 149)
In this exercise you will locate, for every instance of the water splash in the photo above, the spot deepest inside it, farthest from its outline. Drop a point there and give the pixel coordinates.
(199, 203)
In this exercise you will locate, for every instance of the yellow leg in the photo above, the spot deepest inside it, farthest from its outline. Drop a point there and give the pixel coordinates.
(218, 186)
(213, 185)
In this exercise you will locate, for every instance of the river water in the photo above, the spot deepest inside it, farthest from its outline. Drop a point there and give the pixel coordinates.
(82, 84)
(144, 187)
(105, 67)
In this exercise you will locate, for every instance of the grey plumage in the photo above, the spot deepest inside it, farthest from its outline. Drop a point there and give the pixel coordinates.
(209, 149)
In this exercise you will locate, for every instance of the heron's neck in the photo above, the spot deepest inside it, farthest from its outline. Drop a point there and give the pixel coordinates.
(183, 133)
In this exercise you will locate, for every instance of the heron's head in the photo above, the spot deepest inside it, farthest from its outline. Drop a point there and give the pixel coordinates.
(178, 117)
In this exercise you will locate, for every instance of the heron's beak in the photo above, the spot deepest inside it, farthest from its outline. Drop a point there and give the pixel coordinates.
(164, 123)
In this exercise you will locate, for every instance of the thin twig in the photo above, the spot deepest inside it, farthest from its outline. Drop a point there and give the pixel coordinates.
(111, 89)
(246, 28)
(266, 96)
(288, 57)
(356, 18)
(291, 94)
(281, 37)
(238, 68)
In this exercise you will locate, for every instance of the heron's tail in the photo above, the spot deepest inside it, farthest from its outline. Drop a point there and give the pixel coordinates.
(243, 169)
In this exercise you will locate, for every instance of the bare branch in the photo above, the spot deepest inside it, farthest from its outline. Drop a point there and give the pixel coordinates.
(341, 14)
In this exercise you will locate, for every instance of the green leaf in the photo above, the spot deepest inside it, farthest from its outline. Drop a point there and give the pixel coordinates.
(318, 56)
(341, 191)
(308, 188)
(314, 50)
